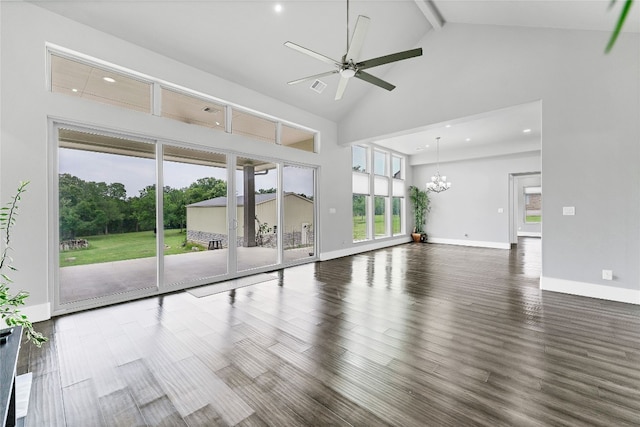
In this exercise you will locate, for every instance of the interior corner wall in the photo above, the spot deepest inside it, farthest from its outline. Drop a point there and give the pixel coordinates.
(26, 106)
(468, 213)
(590, 130)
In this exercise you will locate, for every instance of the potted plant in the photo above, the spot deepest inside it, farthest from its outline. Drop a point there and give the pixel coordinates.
(420, 202)
(9, 313)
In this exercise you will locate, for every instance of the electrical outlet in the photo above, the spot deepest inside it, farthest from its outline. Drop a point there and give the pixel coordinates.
(568, 210)
(607, 274)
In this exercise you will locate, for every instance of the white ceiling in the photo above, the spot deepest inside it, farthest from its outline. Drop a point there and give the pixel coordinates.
(242, 41)
(568, 14)
(510, 130)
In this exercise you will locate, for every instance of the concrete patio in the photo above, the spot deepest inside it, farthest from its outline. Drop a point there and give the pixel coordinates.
(84, 282)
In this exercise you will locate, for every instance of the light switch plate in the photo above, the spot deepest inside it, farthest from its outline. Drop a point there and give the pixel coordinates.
(500, 210)
(332, 210)
(607, 274)
(568, 210)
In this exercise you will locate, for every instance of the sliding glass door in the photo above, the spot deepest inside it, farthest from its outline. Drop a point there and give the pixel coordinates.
(256, 213)
(298, 236)
(119, 238)
(196, 234)
(106, 216)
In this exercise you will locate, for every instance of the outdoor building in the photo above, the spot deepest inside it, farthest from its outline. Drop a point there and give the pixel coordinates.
(206, 220)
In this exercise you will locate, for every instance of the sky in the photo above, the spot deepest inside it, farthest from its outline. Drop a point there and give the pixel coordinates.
(137, 173)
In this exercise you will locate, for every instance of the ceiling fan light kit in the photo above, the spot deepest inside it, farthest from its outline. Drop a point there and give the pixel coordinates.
(349, 66)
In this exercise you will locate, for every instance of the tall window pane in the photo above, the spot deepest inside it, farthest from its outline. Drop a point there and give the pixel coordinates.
(298, 224)
(359, 158)
(380, 211)
(107, 215)
(396, 215)
(396, 167)
(195, 215)
(257, 214)
(380, 162)
(360, 207)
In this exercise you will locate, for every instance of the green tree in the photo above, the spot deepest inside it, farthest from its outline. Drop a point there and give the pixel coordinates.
(88, 208)
(143, 208)
(206, 188)
(359, 205)
(266, 191)
(175, 211)
(379, 207)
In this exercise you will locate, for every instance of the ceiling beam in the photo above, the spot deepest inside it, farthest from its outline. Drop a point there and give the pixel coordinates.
(431, 12)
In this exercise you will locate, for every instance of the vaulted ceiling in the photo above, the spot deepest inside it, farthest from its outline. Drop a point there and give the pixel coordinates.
(243, 41)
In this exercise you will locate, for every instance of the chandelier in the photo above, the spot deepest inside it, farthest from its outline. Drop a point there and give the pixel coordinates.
(438, 182)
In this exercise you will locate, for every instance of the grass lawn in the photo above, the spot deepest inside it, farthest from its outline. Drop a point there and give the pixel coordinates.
(117, 247)
(533, 218)
(360, 227)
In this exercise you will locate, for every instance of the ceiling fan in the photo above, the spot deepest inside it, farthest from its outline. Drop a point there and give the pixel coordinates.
(349, 66)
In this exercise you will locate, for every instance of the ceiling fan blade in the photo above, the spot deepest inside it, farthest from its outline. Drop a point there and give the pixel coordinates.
(341, 87)
(357, 40)
(381, 60)
(312, 54)
(374, 80)
(317, 76)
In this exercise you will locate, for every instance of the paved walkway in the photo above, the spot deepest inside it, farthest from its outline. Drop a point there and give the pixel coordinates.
(82, 282)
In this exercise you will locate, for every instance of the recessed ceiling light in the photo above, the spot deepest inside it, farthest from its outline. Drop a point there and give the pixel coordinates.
(74, 90)
(468, 139)
(277, 8)
(109, 80)
(526, 131)
(448, 126)
(426, 146)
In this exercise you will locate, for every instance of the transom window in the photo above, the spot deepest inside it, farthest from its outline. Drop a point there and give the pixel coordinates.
(89, 79)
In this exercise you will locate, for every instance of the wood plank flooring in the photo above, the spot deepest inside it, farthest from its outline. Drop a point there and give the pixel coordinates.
(414, 335)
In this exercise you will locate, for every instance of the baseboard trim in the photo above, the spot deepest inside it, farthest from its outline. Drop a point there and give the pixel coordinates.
(529, 234)
(37, 313)
(363, 247)
(474, 243)
(611, 293)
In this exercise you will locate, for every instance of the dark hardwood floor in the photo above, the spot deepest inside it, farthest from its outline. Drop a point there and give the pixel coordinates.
(415, 335)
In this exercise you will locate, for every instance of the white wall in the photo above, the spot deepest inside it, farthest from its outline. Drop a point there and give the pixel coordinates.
(467, 213)
(26, 106)
(590, 133)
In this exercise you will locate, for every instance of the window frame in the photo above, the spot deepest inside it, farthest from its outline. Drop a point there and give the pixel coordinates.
(380, 186)
(156, 86)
